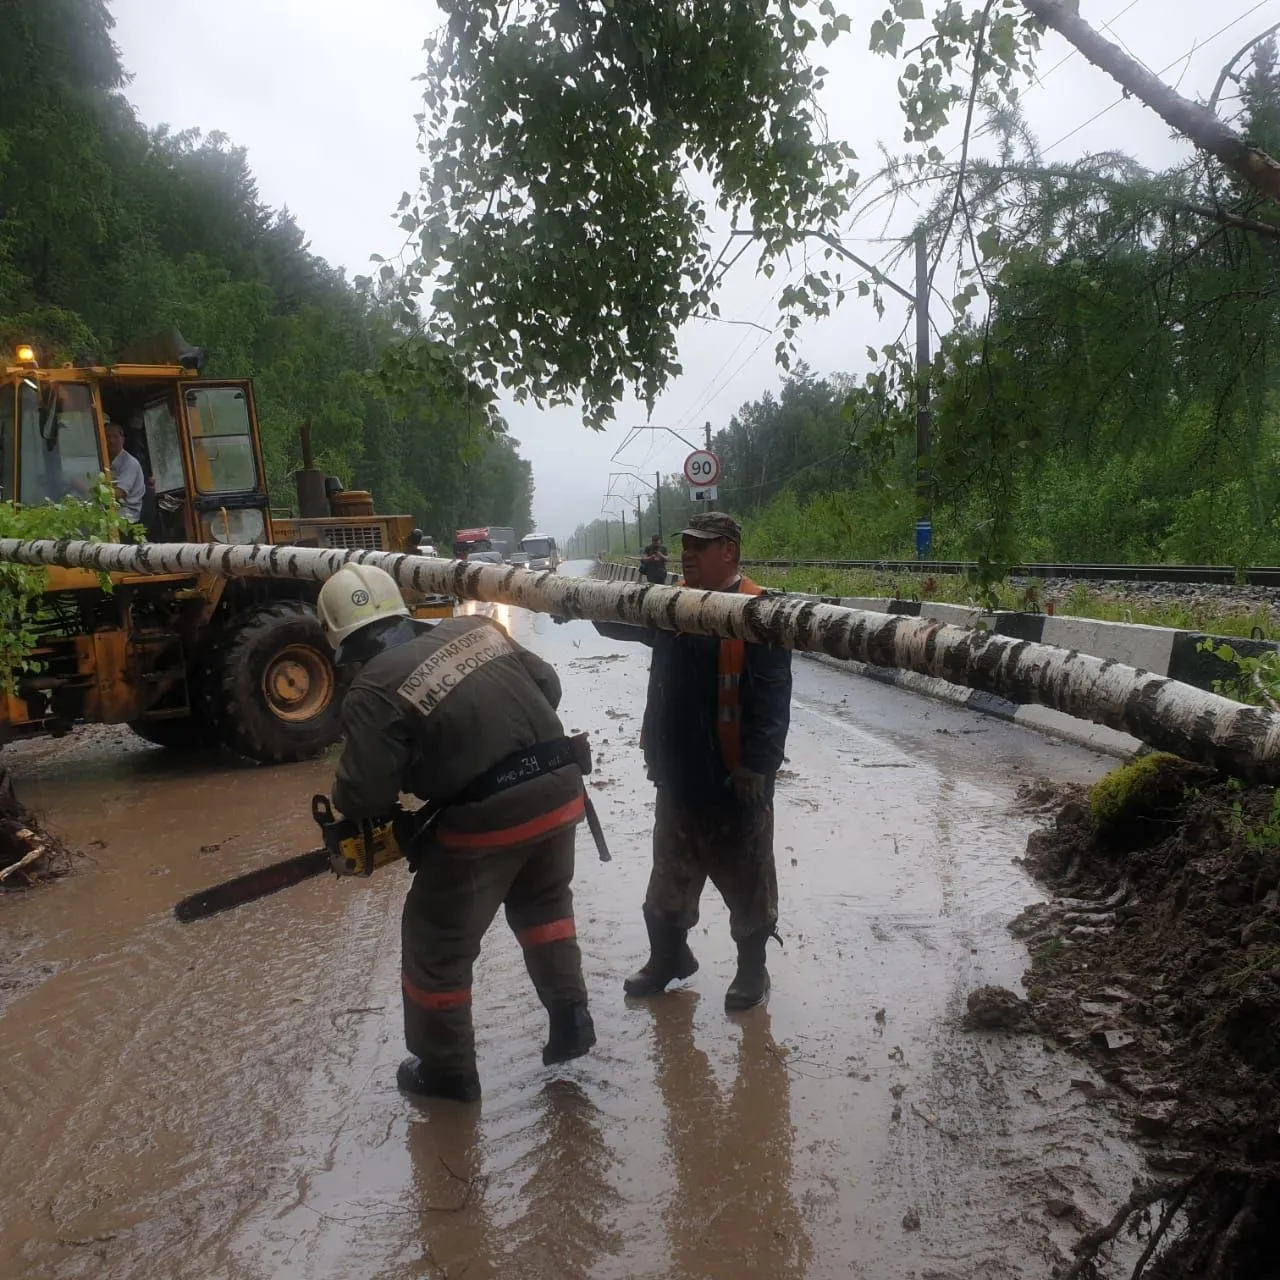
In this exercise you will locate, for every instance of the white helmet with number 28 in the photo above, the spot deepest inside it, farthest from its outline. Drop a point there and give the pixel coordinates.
(355, 596)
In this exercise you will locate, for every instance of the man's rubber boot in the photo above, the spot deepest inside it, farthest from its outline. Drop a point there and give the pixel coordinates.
(425, 1082)
(750, 984)
(669, 958)
(572, 1034)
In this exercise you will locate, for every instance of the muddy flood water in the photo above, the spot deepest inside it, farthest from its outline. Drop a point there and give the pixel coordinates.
(218, 1099)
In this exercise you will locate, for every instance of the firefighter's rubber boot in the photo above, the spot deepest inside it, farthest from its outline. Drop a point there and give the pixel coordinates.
(426, 1082)
(572, 1034)
(750, 984)
(669, 958)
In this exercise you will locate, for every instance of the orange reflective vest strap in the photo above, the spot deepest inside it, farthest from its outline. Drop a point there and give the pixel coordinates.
(543, 825)
(730, 665)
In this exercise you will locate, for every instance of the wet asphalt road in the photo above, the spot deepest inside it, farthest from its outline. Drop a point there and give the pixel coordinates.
(218, 1100)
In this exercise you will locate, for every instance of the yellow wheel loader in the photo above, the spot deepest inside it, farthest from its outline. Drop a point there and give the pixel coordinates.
(184, 659)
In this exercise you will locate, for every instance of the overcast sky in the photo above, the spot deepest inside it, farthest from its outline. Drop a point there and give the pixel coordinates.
(321, 93)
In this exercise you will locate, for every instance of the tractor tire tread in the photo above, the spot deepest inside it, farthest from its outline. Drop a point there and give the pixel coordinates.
(249, 729)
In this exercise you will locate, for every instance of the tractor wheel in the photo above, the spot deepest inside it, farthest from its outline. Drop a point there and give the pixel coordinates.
(279, 694)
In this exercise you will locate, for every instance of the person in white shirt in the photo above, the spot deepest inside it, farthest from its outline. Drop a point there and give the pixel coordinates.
(126, 474)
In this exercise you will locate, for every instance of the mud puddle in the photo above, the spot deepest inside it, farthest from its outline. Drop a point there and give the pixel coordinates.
(217, 1100)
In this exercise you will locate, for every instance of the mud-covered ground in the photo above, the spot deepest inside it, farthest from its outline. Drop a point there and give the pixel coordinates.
(218, 1100)
(1159, 964)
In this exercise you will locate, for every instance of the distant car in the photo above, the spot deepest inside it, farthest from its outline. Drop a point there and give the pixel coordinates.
(484, 557)
(520, 558)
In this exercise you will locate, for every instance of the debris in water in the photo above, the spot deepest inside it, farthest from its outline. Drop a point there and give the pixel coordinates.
(996, 1008)
(1111, 1040)
(911, 1220)
(27, 853)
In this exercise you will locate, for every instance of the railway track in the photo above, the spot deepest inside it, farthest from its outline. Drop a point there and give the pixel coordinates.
(1261, 576)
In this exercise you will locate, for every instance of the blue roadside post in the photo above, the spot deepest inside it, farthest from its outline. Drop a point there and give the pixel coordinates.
(924, 539)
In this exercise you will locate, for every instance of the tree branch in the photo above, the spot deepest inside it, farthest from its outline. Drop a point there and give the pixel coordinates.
(1202, 127)
(1229, 219)
(1225, 74)
(1082, 177)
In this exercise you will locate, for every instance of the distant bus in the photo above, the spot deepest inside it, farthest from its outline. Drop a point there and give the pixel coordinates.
(542, 551)
(487, 538)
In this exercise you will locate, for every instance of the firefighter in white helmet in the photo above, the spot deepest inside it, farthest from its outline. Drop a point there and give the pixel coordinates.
(460, 715)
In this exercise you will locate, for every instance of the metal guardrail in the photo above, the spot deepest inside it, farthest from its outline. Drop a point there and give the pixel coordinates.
(1192, 574)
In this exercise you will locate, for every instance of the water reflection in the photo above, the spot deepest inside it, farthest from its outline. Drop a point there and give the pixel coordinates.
(449, 1191)
(537, 1201)
(733, 1212)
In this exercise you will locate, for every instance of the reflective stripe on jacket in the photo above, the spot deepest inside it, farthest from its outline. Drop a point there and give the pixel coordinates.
(729, 667)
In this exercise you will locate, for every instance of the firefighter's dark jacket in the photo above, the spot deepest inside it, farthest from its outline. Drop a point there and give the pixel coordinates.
(681, 746)
(431, 716)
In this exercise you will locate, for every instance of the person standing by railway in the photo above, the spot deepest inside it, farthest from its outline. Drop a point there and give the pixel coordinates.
(715, 730)
(653, 561)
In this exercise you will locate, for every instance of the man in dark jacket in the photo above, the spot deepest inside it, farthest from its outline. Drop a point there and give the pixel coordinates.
(653, 561)
(463, 717)
(715, 729)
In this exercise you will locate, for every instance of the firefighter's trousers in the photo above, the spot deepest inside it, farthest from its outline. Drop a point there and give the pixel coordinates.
(453, 900)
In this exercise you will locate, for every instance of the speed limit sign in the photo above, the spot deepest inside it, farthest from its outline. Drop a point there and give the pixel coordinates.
(702, 468)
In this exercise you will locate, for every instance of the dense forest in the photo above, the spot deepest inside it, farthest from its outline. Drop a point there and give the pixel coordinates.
(1118, 400)
(111, 232)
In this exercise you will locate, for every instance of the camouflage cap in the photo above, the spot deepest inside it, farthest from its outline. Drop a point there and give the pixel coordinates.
(714, 524)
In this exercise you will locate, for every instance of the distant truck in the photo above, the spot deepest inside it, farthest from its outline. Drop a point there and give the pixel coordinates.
(541, 550)
(492, 538)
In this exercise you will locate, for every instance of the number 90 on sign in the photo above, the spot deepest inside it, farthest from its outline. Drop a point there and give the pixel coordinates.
(702, 468)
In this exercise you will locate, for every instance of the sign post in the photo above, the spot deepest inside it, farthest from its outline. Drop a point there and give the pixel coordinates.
(702, 471)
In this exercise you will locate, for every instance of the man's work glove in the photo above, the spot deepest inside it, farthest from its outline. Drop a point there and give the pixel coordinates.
(748, 787)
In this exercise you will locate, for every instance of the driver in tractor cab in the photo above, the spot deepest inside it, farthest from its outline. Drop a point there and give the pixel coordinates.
(127, 478)
(460, 715)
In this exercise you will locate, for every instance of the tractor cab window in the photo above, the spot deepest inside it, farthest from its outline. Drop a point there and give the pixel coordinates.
(58, 447)
(221, 439)
(163, 448)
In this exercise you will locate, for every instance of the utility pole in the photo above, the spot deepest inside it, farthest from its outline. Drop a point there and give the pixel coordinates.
(657, 497)
(639, 530)
(608, 544)
(624, 531)
(924, 416)
(924, 419)
(711, 502)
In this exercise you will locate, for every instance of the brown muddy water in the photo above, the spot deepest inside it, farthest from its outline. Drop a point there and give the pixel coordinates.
(218, 1099)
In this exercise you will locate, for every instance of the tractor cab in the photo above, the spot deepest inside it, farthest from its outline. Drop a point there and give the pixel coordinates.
(196, 442)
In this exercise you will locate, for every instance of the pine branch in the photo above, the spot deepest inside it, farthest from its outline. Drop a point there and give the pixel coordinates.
(1202, 127)
(1224, 217)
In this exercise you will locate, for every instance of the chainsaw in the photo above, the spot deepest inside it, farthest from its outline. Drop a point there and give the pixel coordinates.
(352, 847)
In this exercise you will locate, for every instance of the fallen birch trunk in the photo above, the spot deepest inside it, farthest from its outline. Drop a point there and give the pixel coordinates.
(1164, 713)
